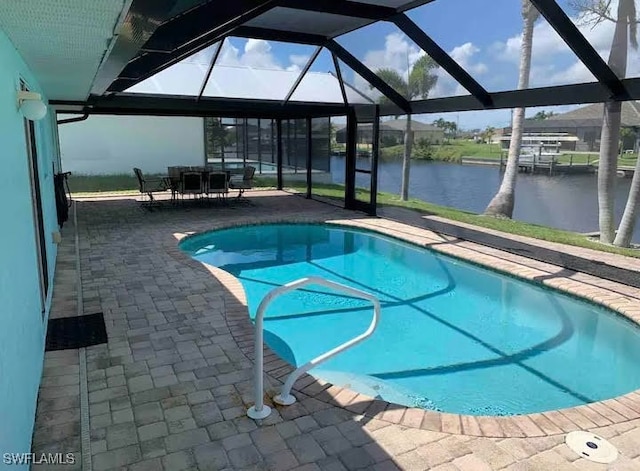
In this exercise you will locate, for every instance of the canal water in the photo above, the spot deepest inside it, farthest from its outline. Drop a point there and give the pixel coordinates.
(562, 201)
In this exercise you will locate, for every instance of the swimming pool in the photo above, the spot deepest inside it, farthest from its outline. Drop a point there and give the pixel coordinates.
(452, 336)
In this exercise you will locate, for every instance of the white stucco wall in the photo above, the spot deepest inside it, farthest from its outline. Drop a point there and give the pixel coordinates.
(103, 145)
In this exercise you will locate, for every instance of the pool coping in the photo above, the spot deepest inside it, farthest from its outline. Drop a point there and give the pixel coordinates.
(602, 413)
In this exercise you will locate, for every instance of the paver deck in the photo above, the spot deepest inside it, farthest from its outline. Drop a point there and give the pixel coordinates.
(170, 388)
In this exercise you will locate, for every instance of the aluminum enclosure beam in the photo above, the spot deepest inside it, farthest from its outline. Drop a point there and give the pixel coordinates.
(167, 105)
(369, 76)
(212, 64)
(164, 105)
(445, 61)
(546, 96)
(306, 68)
(343, 90)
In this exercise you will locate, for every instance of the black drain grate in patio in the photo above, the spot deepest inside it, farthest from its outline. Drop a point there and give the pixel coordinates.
(76, 332)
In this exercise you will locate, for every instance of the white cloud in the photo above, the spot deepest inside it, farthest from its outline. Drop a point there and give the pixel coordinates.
(400, 54)
(463, 55)
(298, 61)
(256, 53)
(575, 73)
(259, 54)
(546, 44)
(446, 86)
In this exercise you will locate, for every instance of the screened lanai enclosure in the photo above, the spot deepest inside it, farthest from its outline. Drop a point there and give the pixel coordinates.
(237, 142)
(274, 79)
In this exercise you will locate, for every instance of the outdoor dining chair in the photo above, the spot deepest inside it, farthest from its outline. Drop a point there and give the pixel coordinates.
(191, 183)
(149, 186)
(217, 185)
(247, 180)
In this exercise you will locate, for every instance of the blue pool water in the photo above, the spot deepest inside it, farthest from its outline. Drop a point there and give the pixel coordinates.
(452, 336)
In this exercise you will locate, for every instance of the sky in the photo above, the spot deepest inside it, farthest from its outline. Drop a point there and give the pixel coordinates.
(483, 36)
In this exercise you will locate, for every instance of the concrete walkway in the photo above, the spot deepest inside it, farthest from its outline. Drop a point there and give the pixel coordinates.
(170, 389)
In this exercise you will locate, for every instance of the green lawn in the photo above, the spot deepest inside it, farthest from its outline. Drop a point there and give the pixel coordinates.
(568, 157)
(103, 183)
(580, 159)
(627, 161)
(451, 152)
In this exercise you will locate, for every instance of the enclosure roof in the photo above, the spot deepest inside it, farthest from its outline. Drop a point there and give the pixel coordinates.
(245, 81)
(361, 38)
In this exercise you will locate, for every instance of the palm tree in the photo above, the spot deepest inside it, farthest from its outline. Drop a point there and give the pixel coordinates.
(625, 33)
(625, 231)
(421, 79)
(487, 135)
(594, 12)
(503, 202)
(451, 129)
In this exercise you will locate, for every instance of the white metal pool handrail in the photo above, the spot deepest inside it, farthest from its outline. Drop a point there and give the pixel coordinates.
(260, 410)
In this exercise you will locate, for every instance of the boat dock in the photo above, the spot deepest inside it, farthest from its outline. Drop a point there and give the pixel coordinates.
(548, 166)
(535, 166)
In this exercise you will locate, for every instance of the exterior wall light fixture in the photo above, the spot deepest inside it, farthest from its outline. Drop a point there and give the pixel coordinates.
(31, 105)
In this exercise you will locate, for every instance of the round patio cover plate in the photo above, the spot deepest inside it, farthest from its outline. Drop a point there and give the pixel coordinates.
(591, 447)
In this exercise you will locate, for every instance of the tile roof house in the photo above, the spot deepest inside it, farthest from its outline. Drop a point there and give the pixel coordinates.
(585, 123)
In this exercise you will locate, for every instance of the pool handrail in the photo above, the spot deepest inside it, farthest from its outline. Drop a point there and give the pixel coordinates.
(259, 410)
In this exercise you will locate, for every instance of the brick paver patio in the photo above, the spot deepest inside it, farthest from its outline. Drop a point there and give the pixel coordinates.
(170, 389)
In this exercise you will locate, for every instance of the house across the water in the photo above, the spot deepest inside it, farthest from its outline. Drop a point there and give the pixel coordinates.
(579, 130)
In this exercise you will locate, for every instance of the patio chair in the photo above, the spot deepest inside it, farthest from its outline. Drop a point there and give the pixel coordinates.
(191, 183)
(247, 180)
(149, 186)
(217, 184)
(174, 181)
